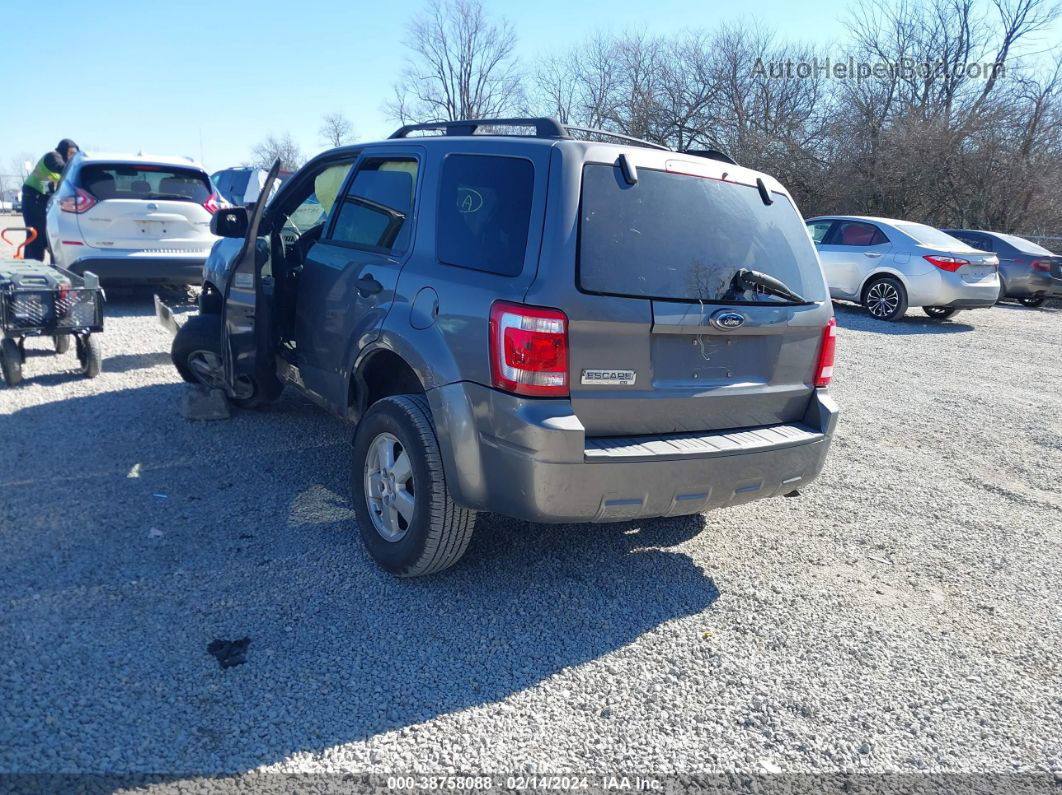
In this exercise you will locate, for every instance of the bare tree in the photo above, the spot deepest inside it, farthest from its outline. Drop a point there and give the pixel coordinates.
(460, 66)
(272, 147)
(336, 129)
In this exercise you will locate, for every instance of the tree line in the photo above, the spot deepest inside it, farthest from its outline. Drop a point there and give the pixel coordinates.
(930, 141)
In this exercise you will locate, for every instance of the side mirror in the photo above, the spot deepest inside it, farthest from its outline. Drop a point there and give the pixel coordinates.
(230, 222)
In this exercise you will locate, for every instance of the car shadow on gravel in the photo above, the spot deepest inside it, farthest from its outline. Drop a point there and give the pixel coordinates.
(857, 319)
(131, 541)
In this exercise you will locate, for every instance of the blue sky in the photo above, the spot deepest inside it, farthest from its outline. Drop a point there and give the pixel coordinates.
(210, 79)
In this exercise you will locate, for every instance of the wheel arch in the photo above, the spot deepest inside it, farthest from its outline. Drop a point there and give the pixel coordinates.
(877, 274)
(210, 299)
(380, 372)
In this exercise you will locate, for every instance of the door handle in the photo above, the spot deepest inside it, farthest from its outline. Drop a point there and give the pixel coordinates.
(367, 285)
(871, 253)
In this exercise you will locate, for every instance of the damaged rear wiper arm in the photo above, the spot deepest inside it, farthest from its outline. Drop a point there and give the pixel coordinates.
(746, 279)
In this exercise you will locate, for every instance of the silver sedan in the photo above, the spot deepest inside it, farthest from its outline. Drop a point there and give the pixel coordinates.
(887, 265)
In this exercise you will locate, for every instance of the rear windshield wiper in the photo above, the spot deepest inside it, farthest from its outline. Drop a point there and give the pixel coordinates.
(746, 279)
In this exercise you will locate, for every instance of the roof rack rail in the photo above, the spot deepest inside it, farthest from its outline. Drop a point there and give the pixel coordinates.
(711, 154)
(619, 137)
(544, 128)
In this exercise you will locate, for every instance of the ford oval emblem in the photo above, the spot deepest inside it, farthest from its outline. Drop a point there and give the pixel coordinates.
(726, 320)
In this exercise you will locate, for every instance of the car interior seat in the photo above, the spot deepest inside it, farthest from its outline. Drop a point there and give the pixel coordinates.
(102, 186)
(857, 235)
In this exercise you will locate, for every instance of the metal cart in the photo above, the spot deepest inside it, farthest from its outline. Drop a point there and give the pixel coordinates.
(45, 300)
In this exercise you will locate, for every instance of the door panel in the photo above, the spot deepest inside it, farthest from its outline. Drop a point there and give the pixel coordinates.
(246, 315)
(852, 252)
(348, 282)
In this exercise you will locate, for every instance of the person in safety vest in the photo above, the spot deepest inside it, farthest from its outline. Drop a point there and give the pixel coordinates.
(39, 185)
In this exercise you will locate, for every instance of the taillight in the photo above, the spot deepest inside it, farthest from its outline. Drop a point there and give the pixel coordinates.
(824, 368)
(81, 201)
(946, 263)
(211, 203)
(1041, 264)
(529, 350)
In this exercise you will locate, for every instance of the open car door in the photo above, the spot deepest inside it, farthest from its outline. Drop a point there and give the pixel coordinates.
(248, 334)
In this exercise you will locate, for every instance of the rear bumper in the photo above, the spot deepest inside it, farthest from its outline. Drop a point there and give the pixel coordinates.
(1028, 283)
(530, 460)
(941, 288)
(132, 271)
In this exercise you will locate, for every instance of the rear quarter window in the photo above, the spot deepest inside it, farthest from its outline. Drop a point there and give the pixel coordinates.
(484, 212)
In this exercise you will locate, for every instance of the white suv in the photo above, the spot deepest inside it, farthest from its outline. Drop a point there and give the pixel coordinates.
(133, 219)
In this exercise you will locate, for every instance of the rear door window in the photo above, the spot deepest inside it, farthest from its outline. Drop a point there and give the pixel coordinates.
(484, 212)
(858, 233)
(145, 181)
(678, 237)
(377, 210)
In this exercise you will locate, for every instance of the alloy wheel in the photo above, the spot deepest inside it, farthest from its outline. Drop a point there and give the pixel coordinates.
(389, 489)
(882, 299)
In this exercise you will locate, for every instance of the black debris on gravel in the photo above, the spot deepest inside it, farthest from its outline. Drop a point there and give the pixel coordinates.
(229, 652)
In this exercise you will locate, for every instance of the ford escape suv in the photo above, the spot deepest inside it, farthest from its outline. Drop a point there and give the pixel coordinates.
(522, 318)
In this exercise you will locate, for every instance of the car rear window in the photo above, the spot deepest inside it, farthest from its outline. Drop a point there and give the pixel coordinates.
(678, 237)
(129, 181)
(1026, 246)
(484, 212)
(929, 235)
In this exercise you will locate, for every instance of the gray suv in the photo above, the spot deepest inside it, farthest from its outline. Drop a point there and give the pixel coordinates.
(556, 324)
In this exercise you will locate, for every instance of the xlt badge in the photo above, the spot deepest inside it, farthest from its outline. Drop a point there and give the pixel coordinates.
(612, 377)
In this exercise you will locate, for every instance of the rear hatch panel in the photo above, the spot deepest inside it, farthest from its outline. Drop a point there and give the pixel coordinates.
(146, 207)
(647, 360)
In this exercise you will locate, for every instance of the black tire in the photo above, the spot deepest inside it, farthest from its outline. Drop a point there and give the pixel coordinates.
(196, 347)
(438, 532)
(10, 361)
(939, 312)
(885, 298)
(61, 342)
(90, 354)
(1033, 301)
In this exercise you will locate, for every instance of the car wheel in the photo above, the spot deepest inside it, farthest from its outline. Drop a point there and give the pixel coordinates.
(1033, 301)
(10, 361)
(61, 343)
(407, 519)
(939, 312)
(196, 353)
(885, 298)
(90, 354)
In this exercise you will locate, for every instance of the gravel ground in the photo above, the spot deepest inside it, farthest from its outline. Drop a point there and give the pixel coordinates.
(902, 615)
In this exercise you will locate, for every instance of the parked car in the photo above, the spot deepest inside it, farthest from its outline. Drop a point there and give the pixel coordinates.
(1027, 271)
(16, 203)
(553, 329)
(241, 185)
(887, 265)
(133, 219)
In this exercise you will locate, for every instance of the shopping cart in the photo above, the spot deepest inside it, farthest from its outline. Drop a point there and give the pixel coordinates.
(38, 300)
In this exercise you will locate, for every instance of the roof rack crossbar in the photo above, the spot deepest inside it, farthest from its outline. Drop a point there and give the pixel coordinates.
(544, 127)
(618, 136)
